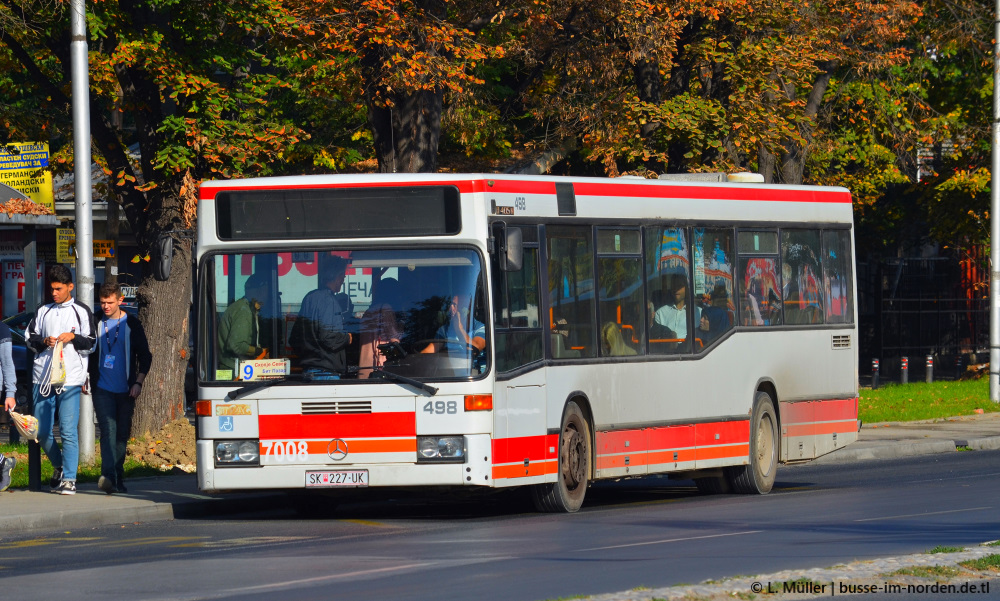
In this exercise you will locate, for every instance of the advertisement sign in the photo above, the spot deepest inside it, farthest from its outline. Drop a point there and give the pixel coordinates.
(13, 287)
(24, 167)
(66, 246)
(65, 237)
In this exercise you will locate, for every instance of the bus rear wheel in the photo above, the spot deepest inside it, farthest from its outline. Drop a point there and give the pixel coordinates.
(758, 477)
(565, 495)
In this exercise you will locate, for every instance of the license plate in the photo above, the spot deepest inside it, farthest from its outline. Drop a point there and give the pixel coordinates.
(337, 478)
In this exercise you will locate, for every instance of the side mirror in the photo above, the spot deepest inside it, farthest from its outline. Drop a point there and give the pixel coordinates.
(163, 256)
(512, 253)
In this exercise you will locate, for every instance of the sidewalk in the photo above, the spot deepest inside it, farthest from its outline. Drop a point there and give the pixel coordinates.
(177, 496)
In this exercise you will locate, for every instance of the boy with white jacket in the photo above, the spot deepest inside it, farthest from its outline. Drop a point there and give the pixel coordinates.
(72, 323)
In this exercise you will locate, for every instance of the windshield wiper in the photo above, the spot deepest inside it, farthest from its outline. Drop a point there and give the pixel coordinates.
(388, 375)
(253, 387)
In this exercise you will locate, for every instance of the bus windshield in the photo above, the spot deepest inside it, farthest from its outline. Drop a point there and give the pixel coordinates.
(344, 314)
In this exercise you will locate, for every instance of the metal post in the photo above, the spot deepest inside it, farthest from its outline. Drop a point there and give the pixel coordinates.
(84, 206)
(995, 219)
(874, 374)
(904, 370)
(930, 369)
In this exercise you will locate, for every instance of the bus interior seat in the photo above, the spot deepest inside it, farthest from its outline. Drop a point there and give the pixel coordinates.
(559, 349)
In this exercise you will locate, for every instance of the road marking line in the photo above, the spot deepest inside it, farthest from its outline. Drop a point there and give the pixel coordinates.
(915, 515)
(671, 540)
(317, 579)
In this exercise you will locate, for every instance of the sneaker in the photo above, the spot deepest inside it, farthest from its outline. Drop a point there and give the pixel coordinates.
(121, 488)
(6, 466)
(56, 478)
(66, 487)
(106, 485)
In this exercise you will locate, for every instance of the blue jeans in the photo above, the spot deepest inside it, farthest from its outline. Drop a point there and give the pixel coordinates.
(114, 417)
(315, 373)
(68, 402)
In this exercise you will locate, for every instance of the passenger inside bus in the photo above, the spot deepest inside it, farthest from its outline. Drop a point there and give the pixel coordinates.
(318, 335)
(612, 342)
(460, 331)
(669, 321)
(239, 329)
(716, 318)
(379, 326)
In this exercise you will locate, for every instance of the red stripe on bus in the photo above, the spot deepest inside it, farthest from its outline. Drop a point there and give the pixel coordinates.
(322, 447)
(671, 437)
(723, 452)
(661, 457)
(748, 193)
(368, 425)
(818, 411)
(533, 448)
(537, 468)
(847, 427)
(464, 186)
(718, 433)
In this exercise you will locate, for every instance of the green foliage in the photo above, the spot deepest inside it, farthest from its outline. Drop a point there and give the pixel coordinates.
(85, 472)
(920, 400)
(941, 549)
(988, 563)
(927, 572)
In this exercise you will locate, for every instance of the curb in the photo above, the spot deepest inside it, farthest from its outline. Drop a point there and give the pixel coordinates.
(139, 511)
(85, 518)
(896, 451)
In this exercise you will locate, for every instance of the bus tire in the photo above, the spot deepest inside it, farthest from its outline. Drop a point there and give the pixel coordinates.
(565, 495)
(758, 477)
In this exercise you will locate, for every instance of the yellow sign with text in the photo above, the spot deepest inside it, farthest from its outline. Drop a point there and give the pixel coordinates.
(24, 167)
(66, 247)
(65, 238)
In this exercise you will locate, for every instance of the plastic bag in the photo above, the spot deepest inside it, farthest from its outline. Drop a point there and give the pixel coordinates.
(27, 425)
(57, 375)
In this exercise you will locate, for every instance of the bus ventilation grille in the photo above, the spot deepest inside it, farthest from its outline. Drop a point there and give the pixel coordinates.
(842, 341)
(335, 407)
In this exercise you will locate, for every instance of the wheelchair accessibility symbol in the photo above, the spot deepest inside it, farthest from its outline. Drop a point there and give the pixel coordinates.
(225, 423)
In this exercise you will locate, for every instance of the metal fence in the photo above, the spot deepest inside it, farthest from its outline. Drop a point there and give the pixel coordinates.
(919, 308)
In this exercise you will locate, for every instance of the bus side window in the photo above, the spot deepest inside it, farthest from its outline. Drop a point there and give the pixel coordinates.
(668, 292)
(837, 283)
(802, 284)
(760, 287)
(713, 284)
(519, 332)
(619, 277)
(571, 291)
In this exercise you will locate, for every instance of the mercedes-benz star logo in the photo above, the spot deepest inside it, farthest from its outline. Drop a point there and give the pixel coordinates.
(337, 449)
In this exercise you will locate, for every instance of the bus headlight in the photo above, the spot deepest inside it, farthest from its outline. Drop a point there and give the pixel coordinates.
(237, 453)
(441, 449)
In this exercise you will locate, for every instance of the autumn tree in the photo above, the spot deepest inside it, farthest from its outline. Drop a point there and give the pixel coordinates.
(399, 59)
(195, 83)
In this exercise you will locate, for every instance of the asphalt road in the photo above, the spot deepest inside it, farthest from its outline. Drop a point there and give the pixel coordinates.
(634, 533)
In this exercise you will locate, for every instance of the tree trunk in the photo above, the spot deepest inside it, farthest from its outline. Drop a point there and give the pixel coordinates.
(408, 134)
(793, 164)
(164, 312)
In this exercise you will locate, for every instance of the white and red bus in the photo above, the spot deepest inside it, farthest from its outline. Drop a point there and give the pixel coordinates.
(541, 331)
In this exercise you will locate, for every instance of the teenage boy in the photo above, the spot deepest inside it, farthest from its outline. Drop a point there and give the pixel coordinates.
(122, 360)
(70, 322)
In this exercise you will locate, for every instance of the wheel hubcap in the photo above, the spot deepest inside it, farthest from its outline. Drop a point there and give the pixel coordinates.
(765, 445)
(574, 465)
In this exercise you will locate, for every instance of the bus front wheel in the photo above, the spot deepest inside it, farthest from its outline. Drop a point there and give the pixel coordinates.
(758, 477)
(565, 495)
